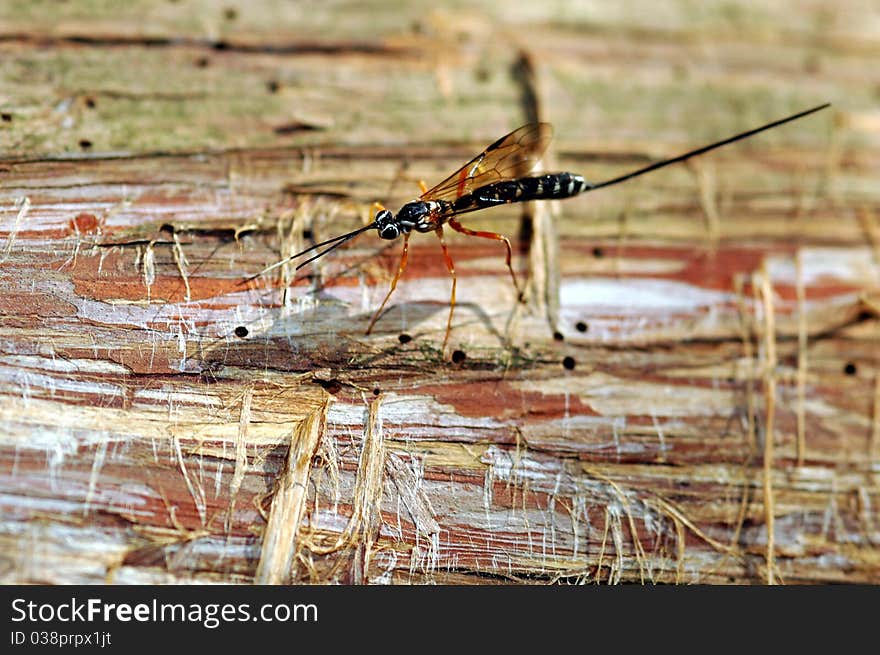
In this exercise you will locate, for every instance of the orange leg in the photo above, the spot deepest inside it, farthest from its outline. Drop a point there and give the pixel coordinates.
(458, 227)
(400, 270)
(451, 266)
(423, 186)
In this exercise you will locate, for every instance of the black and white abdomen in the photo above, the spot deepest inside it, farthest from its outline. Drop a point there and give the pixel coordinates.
(550, 186)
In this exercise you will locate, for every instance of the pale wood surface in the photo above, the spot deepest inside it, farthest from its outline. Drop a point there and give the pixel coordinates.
(152, 157)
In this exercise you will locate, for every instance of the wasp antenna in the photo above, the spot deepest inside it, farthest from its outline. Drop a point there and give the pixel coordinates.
(700, 151)
(338, 241)
(345, 239)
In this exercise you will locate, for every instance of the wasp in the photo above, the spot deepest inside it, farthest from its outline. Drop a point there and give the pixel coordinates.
(499, 175)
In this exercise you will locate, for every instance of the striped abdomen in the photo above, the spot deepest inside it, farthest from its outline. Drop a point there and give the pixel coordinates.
(551, 186)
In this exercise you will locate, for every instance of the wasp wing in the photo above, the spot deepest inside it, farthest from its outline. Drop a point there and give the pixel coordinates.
(510, 157)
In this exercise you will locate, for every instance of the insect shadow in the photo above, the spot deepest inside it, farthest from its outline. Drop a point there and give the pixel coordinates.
(322, 332)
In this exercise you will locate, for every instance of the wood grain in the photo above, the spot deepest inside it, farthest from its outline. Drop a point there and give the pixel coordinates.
(697, 358)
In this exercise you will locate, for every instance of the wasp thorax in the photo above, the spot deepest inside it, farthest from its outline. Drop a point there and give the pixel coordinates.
(415, 215)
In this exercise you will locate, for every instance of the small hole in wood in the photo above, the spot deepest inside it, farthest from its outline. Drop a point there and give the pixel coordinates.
(85, 144)
(90, 102)
(330, 386)
(272, 86)
(558, 336)
(307, 235)
(6, 116)
(404, 338)
(220, 45)
(580, 326)
(850, 368)
(568, 363)
(202, 62)
(458, 356)
(377, 391)
(598, 252)
(241, 331)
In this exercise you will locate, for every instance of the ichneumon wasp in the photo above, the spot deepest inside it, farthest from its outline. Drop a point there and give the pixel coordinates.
(497, 176)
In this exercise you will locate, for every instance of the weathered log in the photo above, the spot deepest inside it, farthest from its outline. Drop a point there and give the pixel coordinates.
(697, 358)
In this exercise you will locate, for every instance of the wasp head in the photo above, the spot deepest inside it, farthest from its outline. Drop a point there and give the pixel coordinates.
(415, 215)
(387, 226)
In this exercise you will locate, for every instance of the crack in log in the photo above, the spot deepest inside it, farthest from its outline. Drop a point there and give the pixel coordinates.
(331, 48)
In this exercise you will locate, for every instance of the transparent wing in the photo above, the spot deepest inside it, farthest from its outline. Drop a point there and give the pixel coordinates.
(510, 157)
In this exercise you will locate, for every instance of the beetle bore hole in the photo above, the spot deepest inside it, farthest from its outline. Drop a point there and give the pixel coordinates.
(558, 336)
(377, 391)
(272, 86)
(90, 103)
(241, 332)
(307, 235)
(6, 116)
(580, 326)
(850, 368)
(404, 338)
(330, 386)
(568, 363)
(458, 356)
(598, 252)
(202, 62)
(85, 144)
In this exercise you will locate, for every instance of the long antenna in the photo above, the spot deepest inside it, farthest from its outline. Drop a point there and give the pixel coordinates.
(342, 239)
(700, 151)
(348, 237)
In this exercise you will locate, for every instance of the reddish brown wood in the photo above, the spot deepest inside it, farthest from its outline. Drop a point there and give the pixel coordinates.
(145, 439)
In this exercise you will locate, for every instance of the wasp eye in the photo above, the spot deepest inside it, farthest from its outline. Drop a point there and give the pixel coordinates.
(389, 232)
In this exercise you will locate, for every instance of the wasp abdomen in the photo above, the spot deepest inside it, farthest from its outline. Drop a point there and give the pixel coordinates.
(541, 187)
(553, 185)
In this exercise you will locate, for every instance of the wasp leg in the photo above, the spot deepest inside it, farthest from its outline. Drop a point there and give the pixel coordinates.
(458, 227)
(400, 269)
(423, 187)
(451, 266)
